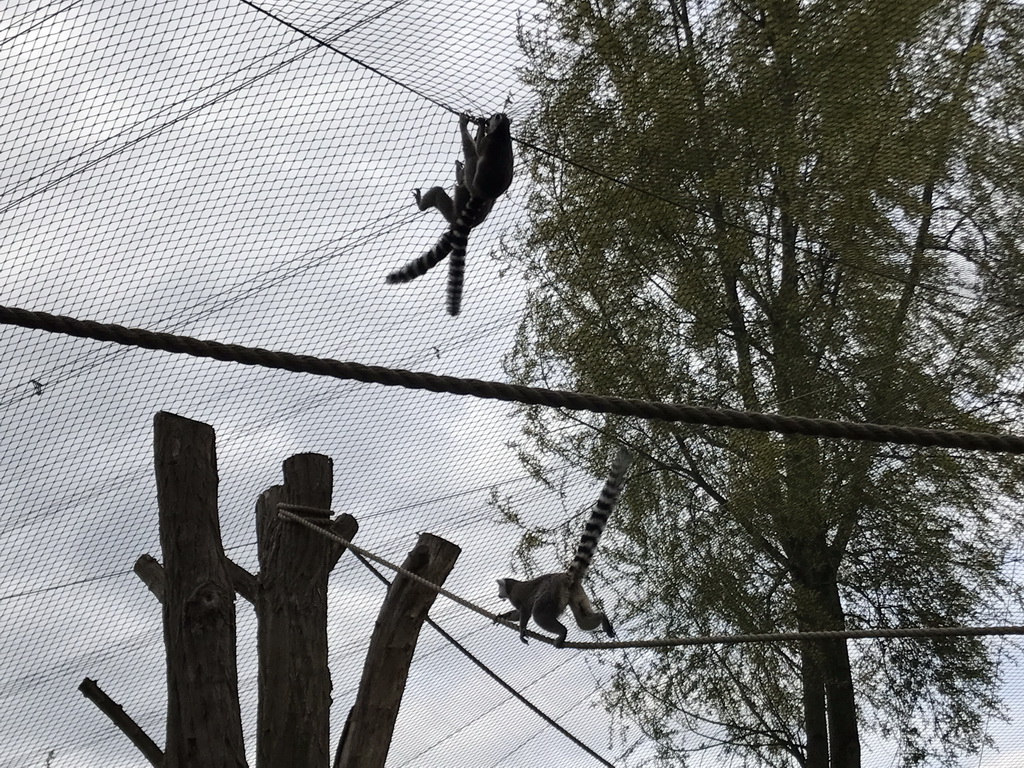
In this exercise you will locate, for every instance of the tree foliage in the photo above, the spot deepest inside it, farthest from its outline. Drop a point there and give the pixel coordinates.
(811, 208)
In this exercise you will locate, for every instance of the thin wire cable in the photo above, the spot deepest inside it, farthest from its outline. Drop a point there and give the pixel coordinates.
(90, 579)
(496, 707)
(585, 700)
(157, 129)
(352, 58)
(132, 142)
(36, 24)
(64, 585)
(493, 675)
(516, 393)
(287, 512)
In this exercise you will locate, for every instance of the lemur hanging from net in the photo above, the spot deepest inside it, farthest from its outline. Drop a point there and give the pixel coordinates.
(546, 597)
(480, 178)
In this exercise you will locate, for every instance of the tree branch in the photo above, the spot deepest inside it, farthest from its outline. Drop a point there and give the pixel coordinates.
(91, 690)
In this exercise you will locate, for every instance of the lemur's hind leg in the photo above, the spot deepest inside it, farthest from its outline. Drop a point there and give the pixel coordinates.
(586, 617)
(436, 197)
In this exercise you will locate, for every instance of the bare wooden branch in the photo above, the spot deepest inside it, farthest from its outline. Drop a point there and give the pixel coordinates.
(371, 723)
(204, 722)
(91, 690)
(148, 569)
(243, 581)
(293, 717)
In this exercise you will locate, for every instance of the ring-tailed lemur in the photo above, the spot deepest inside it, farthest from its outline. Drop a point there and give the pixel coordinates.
(485, 175)
(436, 197)
(546, 597)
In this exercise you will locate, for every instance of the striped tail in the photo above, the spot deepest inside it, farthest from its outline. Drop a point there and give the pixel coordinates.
(475, 211)
(457, 266)
(599, 517)
(429, 260)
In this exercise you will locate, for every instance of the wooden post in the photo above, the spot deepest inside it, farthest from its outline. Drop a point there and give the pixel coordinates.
(293, 718)
(204, 722)
(371, 722)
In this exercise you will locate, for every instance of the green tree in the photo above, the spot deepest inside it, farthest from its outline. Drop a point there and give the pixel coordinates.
(811, 208)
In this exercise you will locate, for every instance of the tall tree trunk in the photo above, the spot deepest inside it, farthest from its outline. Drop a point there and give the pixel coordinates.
(815, 727)
(843, 732)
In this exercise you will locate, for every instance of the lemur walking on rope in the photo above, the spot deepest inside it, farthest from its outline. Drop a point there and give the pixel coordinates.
(547, 596)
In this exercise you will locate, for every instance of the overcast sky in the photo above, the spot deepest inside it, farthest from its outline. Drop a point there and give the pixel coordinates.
(195, 167)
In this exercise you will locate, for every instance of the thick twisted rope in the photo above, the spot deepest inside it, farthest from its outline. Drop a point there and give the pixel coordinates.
(287, 512)
(555, 398)
(782, 637)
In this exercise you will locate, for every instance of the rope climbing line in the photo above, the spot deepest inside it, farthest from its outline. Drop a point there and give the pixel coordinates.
(494, 676)
(287, 512)
(781, 637)
(555, 398)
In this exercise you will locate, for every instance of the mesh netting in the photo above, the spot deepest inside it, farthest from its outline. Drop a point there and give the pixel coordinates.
(203, 169)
